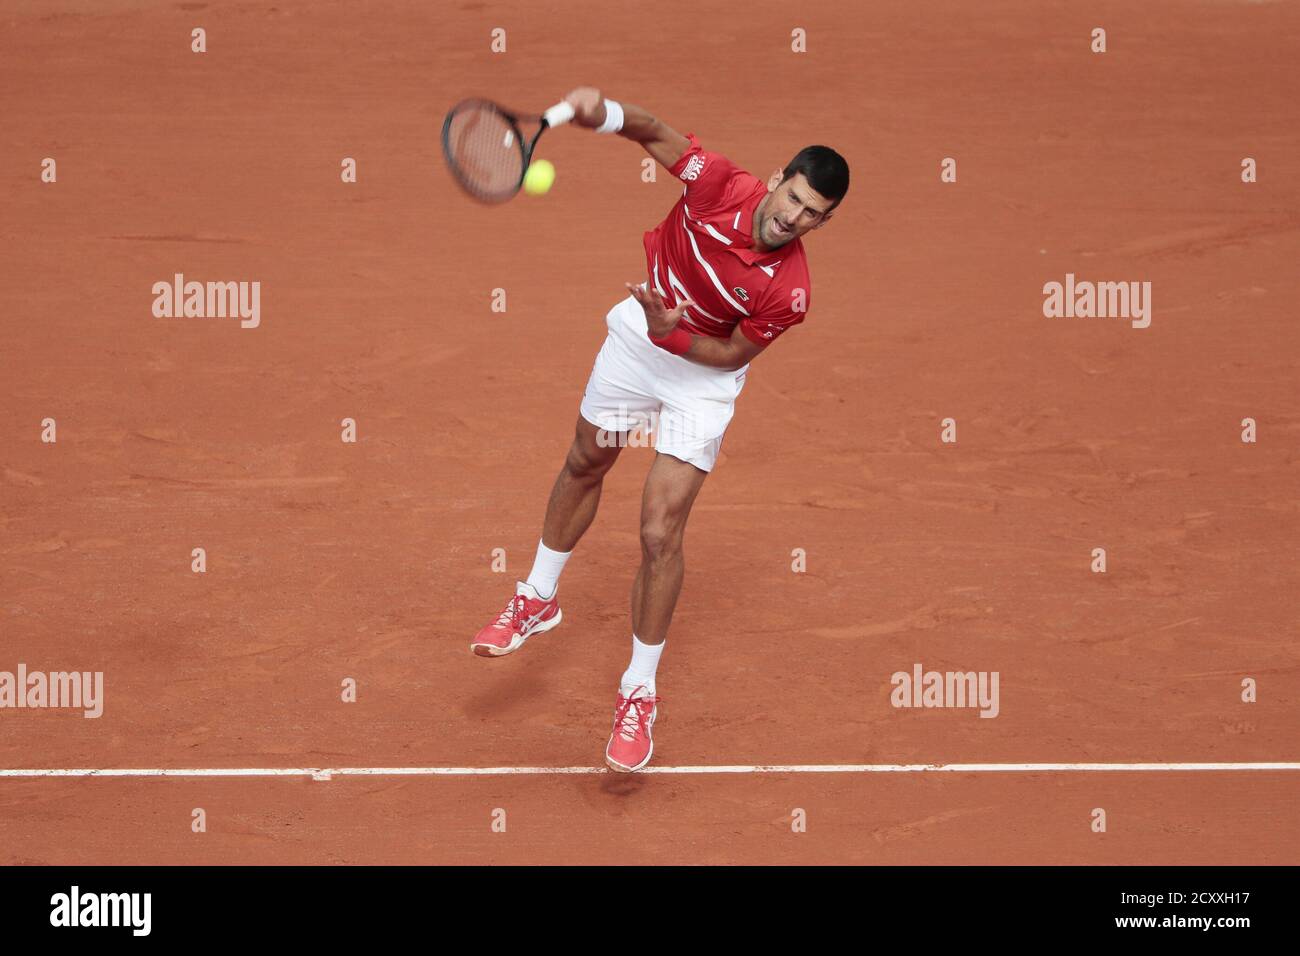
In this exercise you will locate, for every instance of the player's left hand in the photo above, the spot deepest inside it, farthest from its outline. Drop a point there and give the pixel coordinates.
(658, 317)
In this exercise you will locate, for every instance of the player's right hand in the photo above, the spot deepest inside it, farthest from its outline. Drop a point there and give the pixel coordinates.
(659, 319)
(588, 106)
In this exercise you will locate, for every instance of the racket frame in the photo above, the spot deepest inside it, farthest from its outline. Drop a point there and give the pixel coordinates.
(557, 115)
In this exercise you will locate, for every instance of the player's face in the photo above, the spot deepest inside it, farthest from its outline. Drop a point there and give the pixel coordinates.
(790, 209)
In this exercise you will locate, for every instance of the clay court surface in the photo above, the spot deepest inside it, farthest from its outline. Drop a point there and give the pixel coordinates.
(373, 560)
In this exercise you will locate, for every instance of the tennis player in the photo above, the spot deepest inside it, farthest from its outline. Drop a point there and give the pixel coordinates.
(727, 276)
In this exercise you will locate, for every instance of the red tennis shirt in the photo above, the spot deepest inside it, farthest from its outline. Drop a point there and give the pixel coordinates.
(703, 251)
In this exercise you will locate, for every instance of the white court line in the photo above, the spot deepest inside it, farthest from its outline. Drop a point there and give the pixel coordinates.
(324, 773)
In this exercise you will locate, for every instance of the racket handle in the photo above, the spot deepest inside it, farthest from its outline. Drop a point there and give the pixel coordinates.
(558, 115)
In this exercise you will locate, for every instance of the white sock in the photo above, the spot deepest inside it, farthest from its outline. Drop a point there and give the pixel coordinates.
(545, 575)
(645, 661)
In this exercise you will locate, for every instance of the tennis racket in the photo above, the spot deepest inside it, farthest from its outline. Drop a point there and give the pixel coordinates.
(486, 150)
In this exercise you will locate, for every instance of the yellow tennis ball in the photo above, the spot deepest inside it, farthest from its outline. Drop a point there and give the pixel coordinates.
(539, 178)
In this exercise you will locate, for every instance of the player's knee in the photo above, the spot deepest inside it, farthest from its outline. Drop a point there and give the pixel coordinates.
(587, 464)
(588, 460)
(660, 537)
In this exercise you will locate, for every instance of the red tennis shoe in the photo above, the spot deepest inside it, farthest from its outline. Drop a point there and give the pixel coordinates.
(527, 614)
(631, 742)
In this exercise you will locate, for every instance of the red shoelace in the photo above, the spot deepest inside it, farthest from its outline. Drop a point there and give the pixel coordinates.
(631, 715)
(513, 614)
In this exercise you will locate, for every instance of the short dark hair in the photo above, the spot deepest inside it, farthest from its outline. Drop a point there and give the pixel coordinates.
(825, 170)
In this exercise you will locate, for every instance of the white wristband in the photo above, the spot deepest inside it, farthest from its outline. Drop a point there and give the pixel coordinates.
(613, 118)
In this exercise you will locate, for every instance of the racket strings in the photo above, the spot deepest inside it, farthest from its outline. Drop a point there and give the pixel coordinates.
(484, 152)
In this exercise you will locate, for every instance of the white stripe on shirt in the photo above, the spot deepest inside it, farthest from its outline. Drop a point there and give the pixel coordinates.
(713, 276)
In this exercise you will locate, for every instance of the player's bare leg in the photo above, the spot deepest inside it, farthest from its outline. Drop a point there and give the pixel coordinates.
(534, 608)
(576, 493)
(670, 491)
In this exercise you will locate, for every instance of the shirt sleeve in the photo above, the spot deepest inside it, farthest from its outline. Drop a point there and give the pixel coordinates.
(775, 315)
(707, 176)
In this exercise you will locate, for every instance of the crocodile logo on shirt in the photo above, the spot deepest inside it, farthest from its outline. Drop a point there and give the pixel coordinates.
(741, 293)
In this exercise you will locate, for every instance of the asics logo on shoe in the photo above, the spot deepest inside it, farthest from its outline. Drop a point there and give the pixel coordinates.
(529, 621)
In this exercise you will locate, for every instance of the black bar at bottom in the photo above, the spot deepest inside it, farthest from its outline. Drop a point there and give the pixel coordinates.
(640, 904)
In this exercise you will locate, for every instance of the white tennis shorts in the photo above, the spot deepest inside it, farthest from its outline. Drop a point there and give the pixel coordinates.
(637, 385)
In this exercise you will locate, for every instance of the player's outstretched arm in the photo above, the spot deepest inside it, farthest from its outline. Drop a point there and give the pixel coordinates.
(659, 139)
